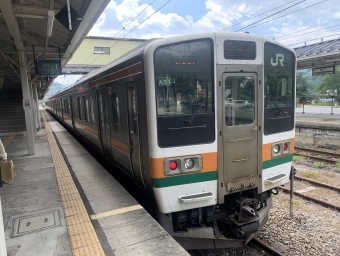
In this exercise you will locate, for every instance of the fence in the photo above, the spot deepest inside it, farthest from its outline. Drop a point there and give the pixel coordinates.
(318, 105)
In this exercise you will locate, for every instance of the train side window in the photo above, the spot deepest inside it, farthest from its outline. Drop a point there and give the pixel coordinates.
(69, 106)
(106, 109)
(116, 113)
(79, 107)
(92, 110)
(101, 114)
(86, 109)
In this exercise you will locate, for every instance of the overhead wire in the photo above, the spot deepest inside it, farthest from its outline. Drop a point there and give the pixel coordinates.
(304, 30)
(314, 39)
(124, 27)
(133, 29)
(281, 16)
(308, 32)
(271, 15)
(257, 15)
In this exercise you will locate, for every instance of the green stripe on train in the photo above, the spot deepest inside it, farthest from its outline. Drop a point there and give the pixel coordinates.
(184, 179)
(277, 161)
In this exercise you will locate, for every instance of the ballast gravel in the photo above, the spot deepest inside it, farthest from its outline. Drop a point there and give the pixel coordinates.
(313, 230)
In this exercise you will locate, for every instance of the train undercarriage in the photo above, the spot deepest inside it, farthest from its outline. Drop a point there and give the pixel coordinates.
(230, 225)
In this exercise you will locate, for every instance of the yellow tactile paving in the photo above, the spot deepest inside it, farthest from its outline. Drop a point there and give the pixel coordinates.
(83, 238)
(9, 139)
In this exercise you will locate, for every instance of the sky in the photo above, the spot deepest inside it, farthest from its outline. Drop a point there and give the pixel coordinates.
(303, 21)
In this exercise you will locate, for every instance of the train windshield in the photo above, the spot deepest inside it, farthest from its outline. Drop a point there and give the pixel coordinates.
(279, 65)
(279, 90)
(184, 78)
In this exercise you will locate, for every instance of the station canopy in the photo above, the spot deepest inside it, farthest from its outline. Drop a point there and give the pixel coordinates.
(42, 27)
(319, 55)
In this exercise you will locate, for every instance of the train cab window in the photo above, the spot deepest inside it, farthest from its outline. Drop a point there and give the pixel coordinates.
(239, 100)
(79, 107)
(92, 110)
(184, 79)
(116, 113)
(278, 88)
(278, 76)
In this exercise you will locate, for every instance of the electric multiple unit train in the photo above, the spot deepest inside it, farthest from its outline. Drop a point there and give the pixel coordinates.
(203, 123)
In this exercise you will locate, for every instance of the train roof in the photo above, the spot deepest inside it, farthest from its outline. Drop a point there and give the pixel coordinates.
(137, 51)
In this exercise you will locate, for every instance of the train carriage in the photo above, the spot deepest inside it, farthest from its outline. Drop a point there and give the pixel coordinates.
(204, 123)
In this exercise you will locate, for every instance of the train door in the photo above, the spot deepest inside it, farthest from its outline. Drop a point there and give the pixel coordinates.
(133, 112)
(240, 124)
(104, 125)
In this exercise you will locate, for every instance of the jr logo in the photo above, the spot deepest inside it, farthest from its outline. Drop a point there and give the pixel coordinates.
(279, 58)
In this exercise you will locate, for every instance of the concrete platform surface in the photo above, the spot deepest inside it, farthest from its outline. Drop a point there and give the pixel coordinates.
(122, 226)
(318, 120)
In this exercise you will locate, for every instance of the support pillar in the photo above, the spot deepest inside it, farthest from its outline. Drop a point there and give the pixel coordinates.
(3, 250)
(37, 104)
(34, 119)
(27, 102)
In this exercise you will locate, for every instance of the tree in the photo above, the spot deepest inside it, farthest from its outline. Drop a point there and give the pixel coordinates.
(330, 83)
(302, 86)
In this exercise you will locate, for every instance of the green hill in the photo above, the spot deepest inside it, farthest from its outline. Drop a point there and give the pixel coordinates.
(54, 88)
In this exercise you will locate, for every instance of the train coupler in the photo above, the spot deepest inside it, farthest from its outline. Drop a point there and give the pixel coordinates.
(241, 229)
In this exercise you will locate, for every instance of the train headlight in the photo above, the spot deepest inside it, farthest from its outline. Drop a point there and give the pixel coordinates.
(189, 163)
(276, 149)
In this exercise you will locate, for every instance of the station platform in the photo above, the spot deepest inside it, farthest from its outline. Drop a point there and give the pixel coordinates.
(63, 202)
(318, 120)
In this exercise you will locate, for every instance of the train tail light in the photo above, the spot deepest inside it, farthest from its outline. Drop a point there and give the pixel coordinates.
(286, 147)
(173, 165)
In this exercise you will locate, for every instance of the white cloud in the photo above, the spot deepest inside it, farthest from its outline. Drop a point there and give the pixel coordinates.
(219, 14)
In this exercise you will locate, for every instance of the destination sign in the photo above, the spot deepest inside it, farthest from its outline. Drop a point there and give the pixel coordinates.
(239, 50)
(183, 61)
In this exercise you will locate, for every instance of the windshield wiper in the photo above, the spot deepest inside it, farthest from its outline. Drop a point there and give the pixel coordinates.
(203, 100)
(278, 109)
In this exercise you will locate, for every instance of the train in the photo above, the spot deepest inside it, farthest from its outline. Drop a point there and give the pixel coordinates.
(166, 115)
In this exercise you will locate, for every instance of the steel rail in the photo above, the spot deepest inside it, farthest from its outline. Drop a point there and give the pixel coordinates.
(323, 203)
(319, 151)
(330, 161)
(258, 244)
(317, 183)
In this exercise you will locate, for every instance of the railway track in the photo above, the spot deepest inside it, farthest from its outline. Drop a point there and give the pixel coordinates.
(262, 246)
(318, 201)
(258, 245)
(318, 155)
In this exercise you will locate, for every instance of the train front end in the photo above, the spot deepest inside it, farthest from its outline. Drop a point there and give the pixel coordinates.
(221, 133)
